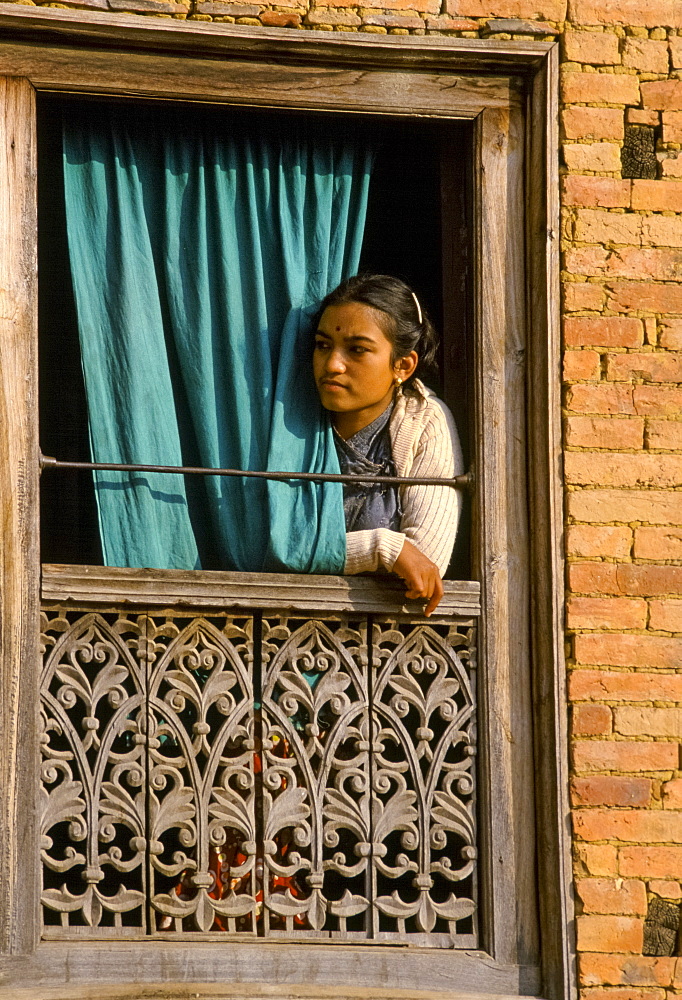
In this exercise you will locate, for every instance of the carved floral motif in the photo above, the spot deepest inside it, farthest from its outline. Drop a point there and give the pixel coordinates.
(277, 777)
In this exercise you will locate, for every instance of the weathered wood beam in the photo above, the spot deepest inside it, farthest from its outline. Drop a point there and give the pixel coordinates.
(19, 568)
(126, 31)
(99, 586)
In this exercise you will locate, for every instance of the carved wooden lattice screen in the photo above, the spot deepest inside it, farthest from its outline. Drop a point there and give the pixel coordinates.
(301, 773)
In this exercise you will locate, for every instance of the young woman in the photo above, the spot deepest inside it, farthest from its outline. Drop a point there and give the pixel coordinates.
(372, 341)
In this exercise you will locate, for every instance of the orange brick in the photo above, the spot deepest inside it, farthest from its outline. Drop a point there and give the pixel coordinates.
(650, 14)
(661, 231)
(638, 116)
(598, 156)
(671, 166)
(589, 468)
(649, 581)
(654, 366)
(676, 51)
(672, 794)
(612, 934)
(426, 6)
(650, 331)
(593, 578)
(625, 296)
(660, 264)
(276, 19)
(599, 226)
(589, 540)
(657, 196)
(599, 88)
(666, 616)
(646, 721)
(630, 970)
(596, 192)
(669, 890)
(551, 10)
(603, 331)
(623, 992)
(640, 826)
(591, 48)
(664, 434)
(657, 400)
(591, 720)
(581, 366)
(672, 126)
(598, 859)
(604, 432)
(627, 650)
(594, 123)
(607, 755)
(658, 543)
(323, 16)
(651, 862)
(604, 685)
(657, 506)
(609, 790)
(671, 334)
(583, 295)
(602, 399)
(605, 895)
(645, 55)
(606, 612)
(662, 95)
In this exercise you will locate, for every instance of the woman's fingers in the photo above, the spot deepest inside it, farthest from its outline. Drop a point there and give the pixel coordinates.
(431, 590)
(435, 598)
(421, 576)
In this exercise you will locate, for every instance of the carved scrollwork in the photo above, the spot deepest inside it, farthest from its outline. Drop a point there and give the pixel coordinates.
(202, 774)
(279, 777)
(424, 850)
(316, 778)
(93, 773)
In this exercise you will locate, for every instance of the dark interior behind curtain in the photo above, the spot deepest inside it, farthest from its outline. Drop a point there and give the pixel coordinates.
(197, 258)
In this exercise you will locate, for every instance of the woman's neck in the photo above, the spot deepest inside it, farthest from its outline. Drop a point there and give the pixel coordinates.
(348, 424)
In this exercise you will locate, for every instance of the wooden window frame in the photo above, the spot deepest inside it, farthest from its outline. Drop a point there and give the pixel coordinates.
(509, 91)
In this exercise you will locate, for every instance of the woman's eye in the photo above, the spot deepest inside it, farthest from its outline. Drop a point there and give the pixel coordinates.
(320, 345)
(359, 350)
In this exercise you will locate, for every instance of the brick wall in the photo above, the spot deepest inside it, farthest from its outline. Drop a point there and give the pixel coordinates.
(622, 260)
(621, 120)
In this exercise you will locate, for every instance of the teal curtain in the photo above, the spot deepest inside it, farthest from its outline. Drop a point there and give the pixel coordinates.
(198, 254)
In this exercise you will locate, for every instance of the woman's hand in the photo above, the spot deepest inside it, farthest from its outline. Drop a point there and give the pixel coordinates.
(421, 576)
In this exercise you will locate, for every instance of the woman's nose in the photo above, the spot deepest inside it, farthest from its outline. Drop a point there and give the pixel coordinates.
(335, 362)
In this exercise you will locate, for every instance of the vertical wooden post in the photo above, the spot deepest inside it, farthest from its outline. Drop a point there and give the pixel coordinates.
(501, 542)
(19, 566)
(546, 511)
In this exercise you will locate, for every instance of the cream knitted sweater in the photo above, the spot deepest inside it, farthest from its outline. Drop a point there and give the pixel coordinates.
(425, 443)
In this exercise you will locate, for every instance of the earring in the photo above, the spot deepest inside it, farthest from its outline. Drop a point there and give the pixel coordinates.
(398, 381)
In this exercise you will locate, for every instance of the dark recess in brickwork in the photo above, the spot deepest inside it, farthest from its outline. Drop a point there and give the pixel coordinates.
(638, 155)
(661, 927)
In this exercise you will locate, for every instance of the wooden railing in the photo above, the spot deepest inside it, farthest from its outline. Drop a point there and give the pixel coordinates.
(259, 755)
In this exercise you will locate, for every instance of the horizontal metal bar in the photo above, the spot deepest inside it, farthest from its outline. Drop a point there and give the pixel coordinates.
(463, 482)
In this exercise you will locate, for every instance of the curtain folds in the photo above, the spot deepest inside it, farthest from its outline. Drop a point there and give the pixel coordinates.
(198, 256)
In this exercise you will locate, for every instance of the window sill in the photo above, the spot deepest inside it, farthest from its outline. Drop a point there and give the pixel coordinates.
(98, 586)
(260, 971)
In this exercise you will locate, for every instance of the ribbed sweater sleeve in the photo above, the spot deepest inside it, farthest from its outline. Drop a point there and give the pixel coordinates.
(425, 444)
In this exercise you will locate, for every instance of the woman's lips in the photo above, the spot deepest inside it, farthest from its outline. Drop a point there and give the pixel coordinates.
(332, 386)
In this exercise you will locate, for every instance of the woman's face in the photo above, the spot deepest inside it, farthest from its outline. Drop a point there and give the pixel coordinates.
(352, 364)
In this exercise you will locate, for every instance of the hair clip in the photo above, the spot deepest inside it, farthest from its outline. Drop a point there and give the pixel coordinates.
(419, 308)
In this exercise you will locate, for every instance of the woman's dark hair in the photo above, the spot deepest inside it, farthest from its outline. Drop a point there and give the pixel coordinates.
(398, 315)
